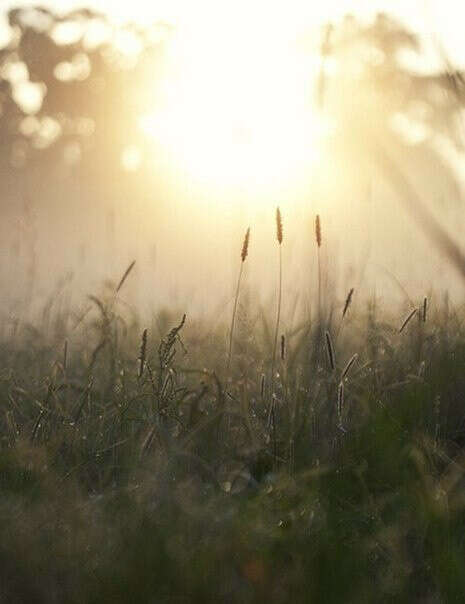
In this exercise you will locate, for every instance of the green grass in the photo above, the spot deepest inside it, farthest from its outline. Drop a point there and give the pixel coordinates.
(170, 487)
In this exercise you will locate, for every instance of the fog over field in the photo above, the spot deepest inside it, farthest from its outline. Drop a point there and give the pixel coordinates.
(232, 320)
(203, 145)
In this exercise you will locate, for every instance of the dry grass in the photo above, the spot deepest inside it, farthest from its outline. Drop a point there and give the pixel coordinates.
(244, 253)
(139, 468)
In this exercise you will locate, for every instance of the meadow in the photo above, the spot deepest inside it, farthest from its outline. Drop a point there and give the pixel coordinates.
(182, 460)
(196, 411)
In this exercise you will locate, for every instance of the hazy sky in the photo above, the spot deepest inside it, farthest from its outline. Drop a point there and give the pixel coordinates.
(229, 158)
(445, 17)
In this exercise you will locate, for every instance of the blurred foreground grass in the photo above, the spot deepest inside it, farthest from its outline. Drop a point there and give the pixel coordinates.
(171, 479)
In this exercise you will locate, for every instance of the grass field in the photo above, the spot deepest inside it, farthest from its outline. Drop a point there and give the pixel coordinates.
(143, 466)
(187, 420)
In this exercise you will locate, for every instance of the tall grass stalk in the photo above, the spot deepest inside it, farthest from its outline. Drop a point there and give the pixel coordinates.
(407, 320)
(124, 277)
(244, 252)
(340, 402)
(330, 351)
(279, 237)
(347, 304)
(142, 353)
(318, 244)
(272, 414)
(348, 367)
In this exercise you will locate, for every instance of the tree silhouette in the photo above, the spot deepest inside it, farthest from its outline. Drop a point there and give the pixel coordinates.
(68, 94)
(392, 119)
(375, 96)
(72, 93)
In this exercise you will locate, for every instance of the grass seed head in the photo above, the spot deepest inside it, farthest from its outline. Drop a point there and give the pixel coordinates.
(348, 367)
(340, 401)
(330, 351)
(348, 302)
(279, 226)
(142, 352)
(318, 230)
(125, 276)
(245, 245)
(407, 320)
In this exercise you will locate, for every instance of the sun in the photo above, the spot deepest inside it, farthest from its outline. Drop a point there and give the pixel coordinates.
(237, 109)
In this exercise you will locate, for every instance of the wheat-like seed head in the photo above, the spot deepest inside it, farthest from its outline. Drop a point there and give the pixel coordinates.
(330, 351)
(348, 367)
(279, 226)
(125, 276)
(142, 352)
(245, 245)
(318, 230)
(407, 320)
(340, 400)
(347, 302)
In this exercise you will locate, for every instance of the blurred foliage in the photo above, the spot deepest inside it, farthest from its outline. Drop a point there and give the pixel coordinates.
(380, 92)
(74, 86)
(165, 483)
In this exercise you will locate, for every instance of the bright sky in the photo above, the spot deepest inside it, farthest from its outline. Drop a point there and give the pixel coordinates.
(445, 17)
(235, 110)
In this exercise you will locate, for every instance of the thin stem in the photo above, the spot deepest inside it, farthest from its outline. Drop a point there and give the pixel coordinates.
(272, 412)
(319, 285)
(233, 320)
(278, 317)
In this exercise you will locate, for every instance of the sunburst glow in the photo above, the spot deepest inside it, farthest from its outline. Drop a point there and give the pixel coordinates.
(238, 109)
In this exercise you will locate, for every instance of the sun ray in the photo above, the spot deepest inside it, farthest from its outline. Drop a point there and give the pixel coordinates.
(240, 116)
